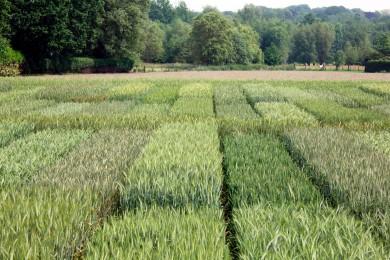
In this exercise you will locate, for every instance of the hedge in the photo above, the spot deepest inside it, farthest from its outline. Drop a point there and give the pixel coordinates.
(382, 65)
(89, 65)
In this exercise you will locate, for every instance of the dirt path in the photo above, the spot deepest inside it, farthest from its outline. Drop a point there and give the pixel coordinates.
(246, 75)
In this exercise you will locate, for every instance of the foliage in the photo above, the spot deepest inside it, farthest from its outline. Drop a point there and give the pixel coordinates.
(154, 50)
(120, 32)
(212, 39)
(5, 8)
(378, 65)
(246, 45)
(162, 11)
(177, 42)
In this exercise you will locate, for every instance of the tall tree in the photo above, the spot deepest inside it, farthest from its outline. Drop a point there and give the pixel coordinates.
(303, 46)
(41, 30)
(382, 43)
(161, 10)
(154, 50)
(182, 12)
(177, 42)
(275, 36)
(323, 36)
(212, 39)
(121, 29)
(246, 45)
(5, 9)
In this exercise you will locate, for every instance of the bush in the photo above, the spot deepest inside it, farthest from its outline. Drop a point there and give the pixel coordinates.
(378, 65)
(10, 59)
(89, 65)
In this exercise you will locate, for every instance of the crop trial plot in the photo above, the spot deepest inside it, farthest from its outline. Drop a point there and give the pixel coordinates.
(113, 167)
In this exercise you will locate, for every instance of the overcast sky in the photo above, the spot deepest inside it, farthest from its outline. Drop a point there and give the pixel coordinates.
(234, 5)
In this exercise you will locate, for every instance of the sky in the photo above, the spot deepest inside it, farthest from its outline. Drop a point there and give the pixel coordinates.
(234, 5)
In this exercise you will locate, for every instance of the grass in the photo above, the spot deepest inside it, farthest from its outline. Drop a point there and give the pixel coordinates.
(112, 167)
(76, 91)
(237, 111)
(193, 107)
(69, 199)
(98, 161)
(43, 223)
(162, 234)
(289, 232)
(284, 115)
(26, 157)
(10, 132)
(196, 90)
(262, 93)
(350, 173)
(180, 166)
(330, 112)
(228, 95)
(130, 91)
(380, 89)
(380, 140)
(261, 171)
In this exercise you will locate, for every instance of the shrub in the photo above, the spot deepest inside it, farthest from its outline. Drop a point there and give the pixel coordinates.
(89, 65)
(378, 65)
(10, 60)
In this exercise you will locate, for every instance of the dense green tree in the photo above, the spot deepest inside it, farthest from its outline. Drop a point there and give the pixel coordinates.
(246, 45)
(182, 12)
(351, 54)
(5, 9)
(212, 39)
(273, 56)
(275, 36)
(154, 49)
(339, 59)
(382, 43)
(303, 46)
(84, 22)
(162, 11)
(309, 19)
(40, 29)
(323, 37)
(121, 28)
(177, 42)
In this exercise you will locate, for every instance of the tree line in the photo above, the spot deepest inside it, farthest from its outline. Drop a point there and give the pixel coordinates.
(157, 31)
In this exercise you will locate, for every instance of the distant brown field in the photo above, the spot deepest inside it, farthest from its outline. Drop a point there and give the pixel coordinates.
(248, 75)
